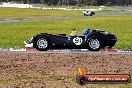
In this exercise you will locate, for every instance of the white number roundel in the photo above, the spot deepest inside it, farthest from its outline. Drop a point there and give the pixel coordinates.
(77, 41)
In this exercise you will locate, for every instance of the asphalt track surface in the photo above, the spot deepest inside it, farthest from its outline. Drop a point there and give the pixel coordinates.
(111, 13)
(32, 18)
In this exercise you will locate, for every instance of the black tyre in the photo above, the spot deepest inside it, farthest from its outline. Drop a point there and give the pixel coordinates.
(41, 43)
(94, 44)
(81, 80)
(92, 13)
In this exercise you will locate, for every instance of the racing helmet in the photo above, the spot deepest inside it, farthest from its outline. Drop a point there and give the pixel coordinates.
(86, 31)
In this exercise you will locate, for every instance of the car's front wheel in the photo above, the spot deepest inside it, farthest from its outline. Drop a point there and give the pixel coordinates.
(94, 44)
(41, 43)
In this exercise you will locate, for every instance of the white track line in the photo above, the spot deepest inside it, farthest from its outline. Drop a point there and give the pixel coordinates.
(24, 50)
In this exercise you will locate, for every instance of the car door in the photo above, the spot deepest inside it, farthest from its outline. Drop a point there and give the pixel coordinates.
(76, 42)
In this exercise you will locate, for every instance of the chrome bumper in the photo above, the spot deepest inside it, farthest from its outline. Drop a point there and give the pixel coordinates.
(28, 45)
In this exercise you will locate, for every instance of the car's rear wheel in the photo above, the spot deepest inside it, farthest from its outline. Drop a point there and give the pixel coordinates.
(94, 44)
(90, 14)
(41, 43)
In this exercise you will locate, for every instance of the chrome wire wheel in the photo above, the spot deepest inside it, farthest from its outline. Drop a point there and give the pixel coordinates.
(42, 43)
(94, 44)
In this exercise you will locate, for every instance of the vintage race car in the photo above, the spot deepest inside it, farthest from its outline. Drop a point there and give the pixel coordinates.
(94, 41)
(88, 13)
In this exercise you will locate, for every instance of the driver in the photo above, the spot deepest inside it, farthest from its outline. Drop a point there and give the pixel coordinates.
(86, 31)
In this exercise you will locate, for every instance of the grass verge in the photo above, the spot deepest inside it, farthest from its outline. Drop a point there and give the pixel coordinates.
(14, 33)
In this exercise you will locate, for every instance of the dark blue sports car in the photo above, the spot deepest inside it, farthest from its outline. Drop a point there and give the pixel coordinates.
(94, 41)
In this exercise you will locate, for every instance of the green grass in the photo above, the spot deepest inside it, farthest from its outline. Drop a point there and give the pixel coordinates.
(15, 12)
(12, 34)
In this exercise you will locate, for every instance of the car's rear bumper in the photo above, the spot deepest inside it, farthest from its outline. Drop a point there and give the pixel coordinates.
(112, 39)
(111, 42)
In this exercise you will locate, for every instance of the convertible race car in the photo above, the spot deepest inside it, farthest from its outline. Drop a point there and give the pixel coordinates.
(88, 13)
(94, 41)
